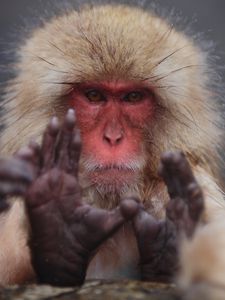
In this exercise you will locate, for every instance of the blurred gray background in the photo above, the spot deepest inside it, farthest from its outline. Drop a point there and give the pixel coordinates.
(205, 16)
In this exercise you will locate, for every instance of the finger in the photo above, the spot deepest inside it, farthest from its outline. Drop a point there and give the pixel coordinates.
(105, 223)
(30, 154)
(126, 211)
(13, 169)
(175, 209)
(70, 196)
(49, 144)
(65, 140)
(15, 176)
(13, 188)
(166, 171)
(182, 169)
(195, 201)
(39, 194)
(169, 180)
(146, 226)
(74, 153)
(130, 207)
(177, 174)
(25, 153)
(35, 147)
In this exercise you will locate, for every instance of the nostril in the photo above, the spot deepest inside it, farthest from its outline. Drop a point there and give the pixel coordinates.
(118, 139)
(113, 138)
(107, 139)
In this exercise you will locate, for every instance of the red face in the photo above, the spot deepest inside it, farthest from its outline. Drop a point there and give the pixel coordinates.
(112, 117)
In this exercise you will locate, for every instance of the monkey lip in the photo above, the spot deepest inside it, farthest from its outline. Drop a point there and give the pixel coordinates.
(114, 168)
(113, 174)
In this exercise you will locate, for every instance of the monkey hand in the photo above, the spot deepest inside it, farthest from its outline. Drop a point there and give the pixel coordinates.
(65, 231)
(158, 241)
(15, 177)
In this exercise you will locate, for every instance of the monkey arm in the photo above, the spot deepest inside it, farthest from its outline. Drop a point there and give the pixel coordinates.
(158, 241)
(65, 231)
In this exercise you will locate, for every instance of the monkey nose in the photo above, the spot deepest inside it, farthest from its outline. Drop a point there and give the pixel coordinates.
(113, 137)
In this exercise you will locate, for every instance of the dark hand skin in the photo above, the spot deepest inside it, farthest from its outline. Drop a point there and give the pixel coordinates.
(158, 241)
(66, 232)
(15, 177)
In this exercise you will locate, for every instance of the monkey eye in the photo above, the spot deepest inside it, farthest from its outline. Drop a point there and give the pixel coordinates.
(94, 96)
(133, 97)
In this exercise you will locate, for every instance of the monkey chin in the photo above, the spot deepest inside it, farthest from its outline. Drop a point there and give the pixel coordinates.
(110, 181)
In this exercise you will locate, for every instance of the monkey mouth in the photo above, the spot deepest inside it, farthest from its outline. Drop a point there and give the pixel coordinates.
(111, 168)
(113, 176)
(114, 167)
(113, 172)
(92, 165)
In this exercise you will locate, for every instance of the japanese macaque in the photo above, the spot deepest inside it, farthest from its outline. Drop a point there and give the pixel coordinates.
(97, 206)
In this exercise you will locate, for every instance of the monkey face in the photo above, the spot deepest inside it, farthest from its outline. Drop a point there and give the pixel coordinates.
(112, 117)
(109, 60)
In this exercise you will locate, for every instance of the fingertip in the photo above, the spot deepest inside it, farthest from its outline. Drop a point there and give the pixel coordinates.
(24, 153)
(71, 111)
(34, 146)
(145, 224)
(172, 157)
(166, 156)
(130, 207)
(54, 126)
(70, 118)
